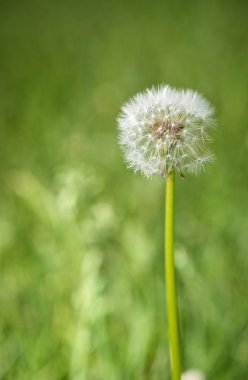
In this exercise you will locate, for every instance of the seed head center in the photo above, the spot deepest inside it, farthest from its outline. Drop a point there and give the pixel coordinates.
(167, 128)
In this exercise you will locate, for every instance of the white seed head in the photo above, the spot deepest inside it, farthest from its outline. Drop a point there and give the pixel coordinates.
(164, 129)
(193, 374)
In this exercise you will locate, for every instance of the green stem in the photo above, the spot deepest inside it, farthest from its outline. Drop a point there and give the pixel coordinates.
(170, 280)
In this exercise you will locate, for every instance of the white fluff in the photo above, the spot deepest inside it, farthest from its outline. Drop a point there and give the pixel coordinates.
(164, 129)
(193, 374)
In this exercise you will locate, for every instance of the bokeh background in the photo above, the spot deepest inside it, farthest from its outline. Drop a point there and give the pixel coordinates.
(81, 237)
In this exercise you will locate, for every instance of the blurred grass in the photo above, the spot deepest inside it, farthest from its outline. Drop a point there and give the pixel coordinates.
(81, 237)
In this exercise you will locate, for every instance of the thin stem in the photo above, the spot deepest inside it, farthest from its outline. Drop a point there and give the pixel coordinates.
(170, 280)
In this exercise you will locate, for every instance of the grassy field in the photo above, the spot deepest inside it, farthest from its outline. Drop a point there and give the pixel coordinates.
(81, 237)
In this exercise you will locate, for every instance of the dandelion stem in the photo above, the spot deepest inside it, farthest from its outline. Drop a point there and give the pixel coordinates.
(170, 280)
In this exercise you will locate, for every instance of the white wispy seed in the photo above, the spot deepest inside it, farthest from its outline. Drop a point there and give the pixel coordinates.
(164, 129)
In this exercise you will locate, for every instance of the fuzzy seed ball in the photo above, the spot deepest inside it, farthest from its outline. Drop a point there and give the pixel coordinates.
(165, 129)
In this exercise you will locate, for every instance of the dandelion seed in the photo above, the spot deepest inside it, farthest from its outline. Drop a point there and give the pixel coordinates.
(173, 124)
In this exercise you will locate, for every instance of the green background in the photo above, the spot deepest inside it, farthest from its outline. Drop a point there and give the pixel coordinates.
(81, 237)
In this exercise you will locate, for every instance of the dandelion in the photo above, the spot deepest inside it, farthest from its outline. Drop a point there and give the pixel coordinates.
(163, 131)
(193, 374)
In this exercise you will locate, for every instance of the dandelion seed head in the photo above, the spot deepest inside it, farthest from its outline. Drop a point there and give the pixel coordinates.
(164, 129)
(193, 374)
